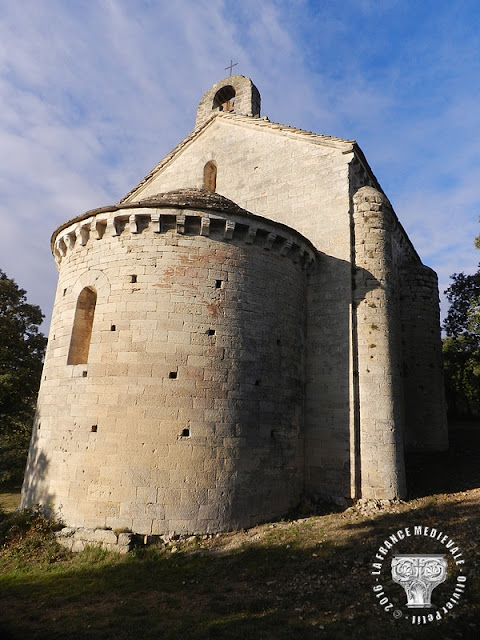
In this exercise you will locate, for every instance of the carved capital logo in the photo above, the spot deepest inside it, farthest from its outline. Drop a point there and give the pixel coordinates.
(419, 575)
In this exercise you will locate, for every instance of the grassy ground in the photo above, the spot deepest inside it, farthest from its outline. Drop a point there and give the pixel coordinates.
(302, 578)
(9, 499)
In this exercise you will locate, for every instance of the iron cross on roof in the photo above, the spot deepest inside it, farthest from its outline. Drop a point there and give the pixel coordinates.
(231, 65)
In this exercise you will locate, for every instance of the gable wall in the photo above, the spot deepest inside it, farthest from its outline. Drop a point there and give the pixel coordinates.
(277, 175)
(305, 186)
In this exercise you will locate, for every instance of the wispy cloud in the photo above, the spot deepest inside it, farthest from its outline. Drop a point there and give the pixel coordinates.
(95, 93)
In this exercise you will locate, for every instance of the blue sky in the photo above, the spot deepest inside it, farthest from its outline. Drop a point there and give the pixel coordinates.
(95, 92)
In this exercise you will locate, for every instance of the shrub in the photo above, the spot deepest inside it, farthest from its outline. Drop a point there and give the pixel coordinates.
(28, 535)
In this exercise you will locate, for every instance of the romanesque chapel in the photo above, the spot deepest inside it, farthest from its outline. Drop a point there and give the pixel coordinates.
(248, 326)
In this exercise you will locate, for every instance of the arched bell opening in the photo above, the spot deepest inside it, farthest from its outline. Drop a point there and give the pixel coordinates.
(224, 99)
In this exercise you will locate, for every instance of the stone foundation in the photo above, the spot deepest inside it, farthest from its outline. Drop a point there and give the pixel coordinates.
(78, 539)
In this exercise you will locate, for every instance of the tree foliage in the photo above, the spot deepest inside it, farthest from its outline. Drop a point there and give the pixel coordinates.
(463, 295)
(461, 361)
(22, 348)
(461, 348)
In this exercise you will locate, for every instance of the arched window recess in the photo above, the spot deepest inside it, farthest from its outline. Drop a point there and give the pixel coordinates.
(210, 176)
(82, 327)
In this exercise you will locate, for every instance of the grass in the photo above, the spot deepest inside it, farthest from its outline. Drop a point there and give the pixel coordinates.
(308, 577)
(9, 498)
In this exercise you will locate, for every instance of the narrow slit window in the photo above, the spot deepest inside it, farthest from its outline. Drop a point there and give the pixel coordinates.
(82, 327)
(210, 176)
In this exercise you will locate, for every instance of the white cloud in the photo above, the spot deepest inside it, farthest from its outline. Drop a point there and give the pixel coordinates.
(95, 93)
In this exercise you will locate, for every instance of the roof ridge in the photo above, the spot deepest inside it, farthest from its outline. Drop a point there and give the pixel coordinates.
(167, 158)
(266, 122)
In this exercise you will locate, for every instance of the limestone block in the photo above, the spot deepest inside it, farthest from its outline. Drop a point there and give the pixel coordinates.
(102, 536)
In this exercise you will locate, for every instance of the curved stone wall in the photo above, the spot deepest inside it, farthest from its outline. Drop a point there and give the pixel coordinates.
(426, 423)
(380, 470)
(187, 415)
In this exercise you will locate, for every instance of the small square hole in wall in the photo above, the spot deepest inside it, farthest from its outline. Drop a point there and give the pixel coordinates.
(113, 327)
(39, 426)
(257, 383)
(172, 375)
(218, 284)
(186, 433)
(210, 332)
(133, 278)
(94, 428)
(84, 374)
(64, 292)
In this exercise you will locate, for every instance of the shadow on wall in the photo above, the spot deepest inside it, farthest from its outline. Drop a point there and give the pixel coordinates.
(332, 420)
(289, 420)
(313, 440)
(455, 470)
(34, 490)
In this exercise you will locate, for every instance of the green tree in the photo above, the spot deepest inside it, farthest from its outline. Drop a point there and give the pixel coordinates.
(461, 361)
(461, 348)
(474, 311)
(463, 295)
(22, 348)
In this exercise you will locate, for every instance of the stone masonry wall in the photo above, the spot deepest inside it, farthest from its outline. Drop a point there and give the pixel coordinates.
(187, 416)
(426, 423)
(379, 394)
(300, 180)
(271, 171)
(223, 381)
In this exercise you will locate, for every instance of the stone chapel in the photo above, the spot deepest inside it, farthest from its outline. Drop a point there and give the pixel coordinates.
(248, 326)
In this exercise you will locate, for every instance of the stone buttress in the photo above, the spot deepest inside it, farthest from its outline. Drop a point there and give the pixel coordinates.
(378, 367)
